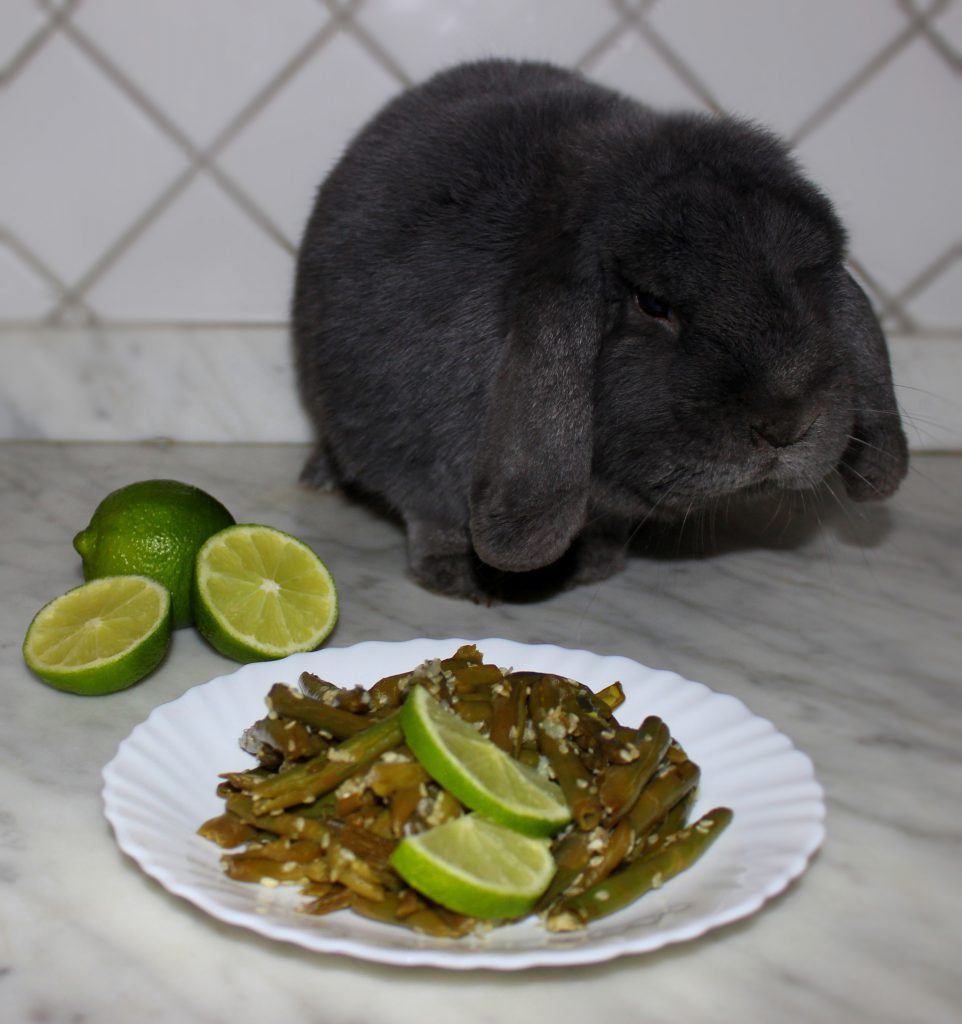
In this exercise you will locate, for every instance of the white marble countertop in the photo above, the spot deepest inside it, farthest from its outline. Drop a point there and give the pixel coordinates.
(849, 638)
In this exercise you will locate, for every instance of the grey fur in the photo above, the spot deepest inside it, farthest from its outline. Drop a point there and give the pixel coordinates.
(480, 339)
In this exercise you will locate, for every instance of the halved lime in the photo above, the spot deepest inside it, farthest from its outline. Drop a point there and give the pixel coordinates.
(260, 593)
(479, 773)
(476, 867)
(100, 637)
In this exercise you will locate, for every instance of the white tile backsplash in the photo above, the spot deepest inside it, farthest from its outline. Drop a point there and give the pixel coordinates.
(281, 156)
(160, 158)
(200, 62)
(80, 161)
(203, 260)
(426, 35)
(776, 62)
(21, 22)
(635, 65)
(891, 158)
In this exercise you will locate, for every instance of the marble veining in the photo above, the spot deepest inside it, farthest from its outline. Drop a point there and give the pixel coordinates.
(842, 626)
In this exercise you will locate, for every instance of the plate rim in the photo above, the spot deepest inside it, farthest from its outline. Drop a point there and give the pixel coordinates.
(430, 952)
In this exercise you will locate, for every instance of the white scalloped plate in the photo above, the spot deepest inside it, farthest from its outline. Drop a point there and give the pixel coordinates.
(160, 787)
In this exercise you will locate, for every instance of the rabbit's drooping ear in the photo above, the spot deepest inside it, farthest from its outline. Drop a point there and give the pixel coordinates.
(876, 460)
(529, 491)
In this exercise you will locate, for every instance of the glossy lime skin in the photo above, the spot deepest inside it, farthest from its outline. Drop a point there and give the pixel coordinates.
(152, 528)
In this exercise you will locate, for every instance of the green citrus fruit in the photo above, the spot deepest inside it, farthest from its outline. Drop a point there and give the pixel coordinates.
(476, 867)
(478, 772)
(260, 593)
(102, 636)
(152, 528)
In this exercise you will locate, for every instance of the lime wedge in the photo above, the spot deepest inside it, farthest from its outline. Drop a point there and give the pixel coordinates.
(260, 593)
(479, 773)
(100, 637)
(476, 867)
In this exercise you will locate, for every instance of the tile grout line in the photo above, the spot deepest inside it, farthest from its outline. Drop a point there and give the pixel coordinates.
(22, 252)
(639, 21)
(201, 160)
(885, 305)
(36, 42)
(346, 15)
(933, 35)
(866, 73)
(930, 274)
(606, 41)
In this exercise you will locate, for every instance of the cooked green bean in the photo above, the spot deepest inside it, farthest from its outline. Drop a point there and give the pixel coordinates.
(310, 779)
(551, 723)
(620, 785)
(509, 713)
(669, 785)
(675, 854)
(336, 789)
(337, 722)
(428, 920)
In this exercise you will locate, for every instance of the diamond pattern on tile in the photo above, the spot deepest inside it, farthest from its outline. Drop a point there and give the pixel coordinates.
(281, 157)
(426, 35)
(160, 159)
(202, 260)
(891, 164)
(80, 161)
(776, 62)
(168, 48)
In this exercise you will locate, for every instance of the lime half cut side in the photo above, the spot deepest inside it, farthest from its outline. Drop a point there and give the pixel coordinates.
(478, 772)
(260, 593)
(476, 867)
(100, 637)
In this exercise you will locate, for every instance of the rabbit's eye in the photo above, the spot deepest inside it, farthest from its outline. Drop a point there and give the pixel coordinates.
(652, 305)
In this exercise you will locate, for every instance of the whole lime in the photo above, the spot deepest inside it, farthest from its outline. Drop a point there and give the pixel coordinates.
(152, 528)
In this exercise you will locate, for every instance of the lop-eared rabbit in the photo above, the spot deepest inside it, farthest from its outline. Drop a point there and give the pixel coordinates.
(530, 312)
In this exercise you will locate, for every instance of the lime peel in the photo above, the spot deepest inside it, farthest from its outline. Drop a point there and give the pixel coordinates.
(477, 772)
(476, 867)
(260, 593)
(152, 528)
(102, 636)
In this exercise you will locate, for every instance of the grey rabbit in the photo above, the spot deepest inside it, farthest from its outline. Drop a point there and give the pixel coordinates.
(530, 312)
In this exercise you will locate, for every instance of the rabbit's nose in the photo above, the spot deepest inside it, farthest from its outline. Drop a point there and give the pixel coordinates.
(783, 428)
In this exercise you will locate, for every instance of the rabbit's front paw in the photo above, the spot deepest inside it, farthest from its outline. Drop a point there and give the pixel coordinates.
(441, 559)
(600, 552)
(875, 461)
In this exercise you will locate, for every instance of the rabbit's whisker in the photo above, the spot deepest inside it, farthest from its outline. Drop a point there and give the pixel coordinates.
(867, 444)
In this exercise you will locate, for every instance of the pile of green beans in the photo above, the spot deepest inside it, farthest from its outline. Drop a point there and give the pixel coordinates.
(335, 789)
